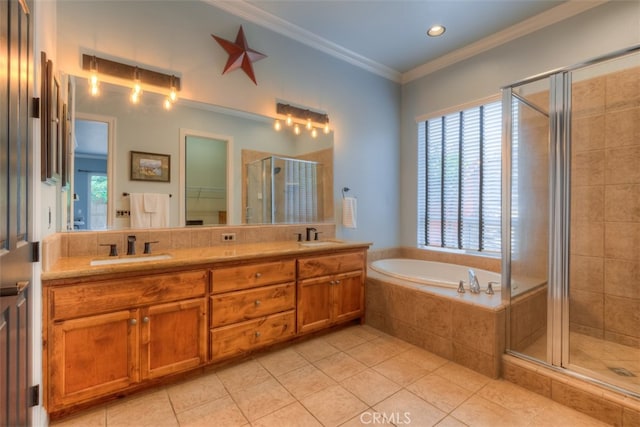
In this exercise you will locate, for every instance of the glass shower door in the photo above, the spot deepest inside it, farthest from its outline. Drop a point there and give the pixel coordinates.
(604, 279)
(528, 152)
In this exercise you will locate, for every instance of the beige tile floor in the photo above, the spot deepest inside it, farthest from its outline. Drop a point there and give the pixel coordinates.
(357, 376)
(595, 357)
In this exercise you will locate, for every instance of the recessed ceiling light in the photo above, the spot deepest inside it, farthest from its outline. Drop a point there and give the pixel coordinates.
(436, 30)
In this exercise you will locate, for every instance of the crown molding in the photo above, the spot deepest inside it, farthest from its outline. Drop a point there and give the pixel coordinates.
(535, 23)
(258, 16)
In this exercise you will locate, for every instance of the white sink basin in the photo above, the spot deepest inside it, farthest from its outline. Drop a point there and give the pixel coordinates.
(129, 259)
(315, 243)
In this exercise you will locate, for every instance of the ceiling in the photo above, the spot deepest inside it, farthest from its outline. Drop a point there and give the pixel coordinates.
(388, 37)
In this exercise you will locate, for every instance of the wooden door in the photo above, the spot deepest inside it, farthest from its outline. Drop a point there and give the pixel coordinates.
(314, 303)
(93, 356)
(348, 296)
(16, 215)
(174, 337)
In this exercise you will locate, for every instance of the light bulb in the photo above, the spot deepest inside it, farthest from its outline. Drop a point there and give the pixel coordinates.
(309, 125)
(167, 104)
(93, 77)
(314, 133)
(137, 88)
(95, 90)
(289, 120)
(135, 97)
(326, 128)
(296, 129)
(173, 92)
(277, 125)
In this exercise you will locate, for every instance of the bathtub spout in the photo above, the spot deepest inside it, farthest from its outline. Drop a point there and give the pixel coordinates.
(474, 284)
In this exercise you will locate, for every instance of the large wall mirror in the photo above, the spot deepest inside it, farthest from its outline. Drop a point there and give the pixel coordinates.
(207, 152)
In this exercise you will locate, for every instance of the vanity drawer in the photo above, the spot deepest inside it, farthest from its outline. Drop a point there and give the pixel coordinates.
(109, 295)
(231, 340)
(330, 264)
(252, 275)
(251, 303)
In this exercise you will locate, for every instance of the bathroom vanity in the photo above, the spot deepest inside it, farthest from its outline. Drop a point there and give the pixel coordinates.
(110, 329)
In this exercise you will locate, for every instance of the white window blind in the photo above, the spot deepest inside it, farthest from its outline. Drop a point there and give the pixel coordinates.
(459, 162)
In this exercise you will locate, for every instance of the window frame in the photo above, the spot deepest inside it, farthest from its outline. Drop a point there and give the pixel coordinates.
(422, 178)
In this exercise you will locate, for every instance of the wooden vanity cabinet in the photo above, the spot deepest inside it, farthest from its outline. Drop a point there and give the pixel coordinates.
(330, 290)
(252, 306)
(92, 356)
(106, 336)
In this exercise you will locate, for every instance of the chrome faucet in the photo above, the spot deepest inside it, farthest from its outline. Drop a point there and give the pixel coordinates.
(474, 285)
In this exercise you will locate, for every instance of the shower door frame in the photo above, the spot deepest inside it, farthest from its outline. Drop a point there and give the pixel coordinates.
(560, 84)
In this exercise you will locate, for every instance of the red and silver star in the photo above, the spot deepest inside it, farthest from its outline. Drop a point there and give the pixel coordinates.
(240, 55)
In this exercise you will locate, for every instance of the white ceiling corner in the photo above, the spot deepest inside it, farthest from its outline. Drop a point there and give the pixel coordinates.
(252, 13)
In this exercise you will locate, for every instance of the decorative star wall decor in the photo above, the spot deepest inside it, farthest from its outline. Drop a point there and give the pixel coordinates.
(240, 55)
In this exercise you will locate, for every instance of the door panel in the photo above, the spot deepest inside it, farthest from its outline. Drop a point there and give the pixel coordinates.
(91, 356)
(15, 212)
(173, 337)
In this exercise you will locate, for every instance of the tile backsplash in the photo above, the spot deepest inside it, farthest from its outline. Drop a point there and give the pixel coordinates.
(96, 243)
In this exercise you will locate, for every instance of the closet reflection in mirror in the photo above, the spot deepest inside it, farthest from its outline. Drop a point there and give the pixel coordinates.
(206, 180)
(90, 182)
(148, 127)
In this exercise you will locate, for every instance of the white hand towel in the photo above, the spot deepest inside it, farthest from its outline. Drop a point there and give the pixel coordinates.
(160, 216)
(139, 218)
(153, 202)
(349, 212)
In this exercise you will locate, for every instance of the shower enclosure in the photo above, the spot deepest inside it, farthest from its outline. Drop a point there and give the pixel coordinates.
(571, 219)
(284, 190)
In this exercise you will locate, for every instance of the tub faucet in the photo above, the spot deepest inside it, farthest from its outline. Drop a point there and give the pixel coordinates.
(474, 285)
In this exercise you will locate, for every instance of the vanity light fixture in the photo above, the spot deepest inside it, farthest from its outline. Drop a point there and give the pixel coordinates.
(166, 84)
(436, 30)
(297, 117)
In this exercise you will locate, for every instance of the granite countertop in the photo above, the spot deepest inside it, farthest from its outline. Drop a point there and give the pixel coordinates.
(80, 266)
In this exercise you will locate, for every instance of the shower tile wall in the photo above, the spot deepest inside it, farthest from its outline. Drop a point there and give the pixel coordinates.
(605, 207)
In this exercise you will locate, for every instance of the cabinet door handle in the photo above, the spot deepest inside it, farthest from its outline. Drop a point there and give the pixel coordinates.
(337, 282)
(133, 321)
(145, 319)
(257, 334)
(333, 282)
(257, 303)
(258, 275)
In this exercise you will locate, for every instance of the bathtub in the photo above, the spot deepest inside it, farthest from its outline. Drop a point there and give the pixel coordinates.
(434, 273)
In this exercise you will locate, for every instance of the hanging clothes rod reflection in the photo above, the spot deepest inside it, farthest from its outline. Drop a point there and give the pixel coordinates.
(125, 194)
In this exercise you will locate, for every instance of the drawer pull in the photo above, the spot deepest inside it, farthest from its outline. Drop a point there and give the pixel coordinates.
(258, 275)
(145, 319)
(257, 303)
(133, 321)
(257, 334)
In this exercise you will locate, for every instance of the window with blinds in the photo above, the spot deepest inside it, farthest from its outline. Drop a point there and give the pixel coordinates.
(459, 162)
